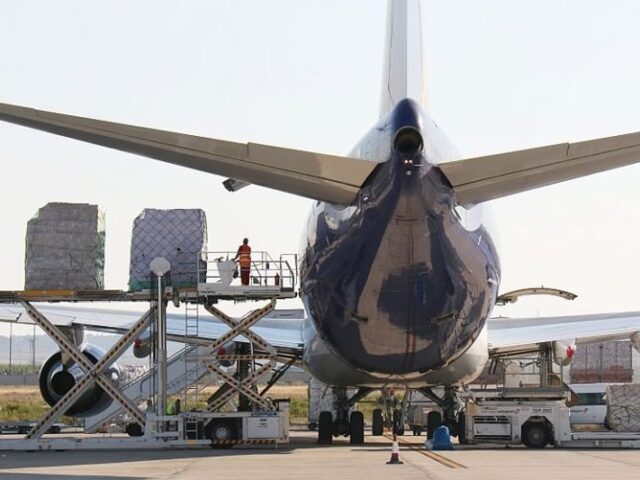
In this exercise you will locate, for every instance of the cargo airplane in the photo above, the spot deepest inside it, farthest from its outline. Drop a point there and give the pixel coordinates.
(399, 274)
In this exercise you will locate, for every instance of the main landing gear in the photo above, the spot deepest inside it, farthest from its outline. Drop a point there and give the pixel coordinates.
(344, 424)
(452, 413)
(347, 423)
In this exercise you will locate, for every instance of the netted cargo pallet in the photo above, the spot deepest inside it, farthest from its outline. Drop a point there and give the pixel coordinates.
(177, 235)
(623, 407)
(65, 248)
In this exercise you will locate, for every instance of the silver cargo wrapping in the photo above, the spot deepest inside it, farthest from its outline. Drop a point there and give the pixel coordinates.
(65, 248)
(623, 407)
(177, 235)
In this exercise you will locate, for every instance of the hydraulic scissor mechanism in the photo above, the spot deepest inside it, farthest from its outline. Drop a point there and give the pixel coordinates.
(94, 373)
(254, 361)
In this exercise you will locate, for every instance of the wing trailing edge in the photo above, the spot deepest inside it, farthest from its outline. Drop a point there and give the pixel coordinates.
(322, 177)
(509, 336)
(477, 180)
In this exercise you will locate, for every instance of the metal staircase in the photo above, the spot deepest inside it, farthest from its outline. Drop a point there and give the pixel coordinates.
(141, 388)
(191, 359)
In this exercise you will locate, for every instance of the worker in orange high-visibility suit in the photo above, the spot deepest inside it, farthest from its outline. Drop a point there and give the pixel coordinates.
(244, 259)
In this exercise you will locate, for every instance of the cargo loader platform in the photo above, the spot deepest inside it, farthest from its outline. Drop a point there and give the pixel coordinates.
(236, 413)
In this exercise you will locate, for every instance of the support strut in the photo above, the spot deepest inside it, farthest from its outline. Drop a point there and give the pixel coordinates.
(245, 383)
(93, 372)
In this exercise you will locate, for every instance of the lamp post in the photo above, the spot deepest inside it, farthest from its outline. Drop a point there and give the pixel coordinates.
(160, 266)
(10, 348)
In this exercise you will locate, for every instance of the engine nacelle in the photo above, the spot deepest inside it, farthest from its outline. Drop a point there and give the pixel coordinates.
(228, 348)
(563, 352)
(142, 345)
(56, 379)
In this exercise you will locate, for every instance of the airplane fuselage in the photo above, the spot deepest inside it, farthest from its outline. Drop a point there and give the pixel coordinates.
(399, 284)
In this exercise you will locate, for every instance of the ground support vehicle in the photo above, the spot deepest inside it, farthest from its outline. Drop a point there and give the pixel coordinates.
(223, 422)
(533, 422)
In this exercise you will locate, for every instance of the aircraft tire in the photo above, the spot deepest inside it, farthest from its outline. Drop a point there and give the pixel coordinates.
(356, 428)
(398, 422)
(377, 424)
(462, 429)
(434, 420)
(325, 428)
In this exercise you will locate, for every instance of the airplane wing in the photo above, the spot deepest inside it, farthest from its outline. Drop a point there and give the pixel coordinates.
(524, 335)
(327, 178)
(477, 180)
(281, 328)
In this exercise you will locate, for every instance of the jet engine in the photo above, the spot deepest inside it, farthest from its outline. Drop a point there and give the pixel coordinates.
(142, 345)
(563, 352)
(57, 377)
(228, 348)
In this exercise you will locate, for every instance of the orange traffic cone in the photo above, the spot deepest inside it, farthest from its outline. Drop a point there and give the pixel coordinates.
(395, 452)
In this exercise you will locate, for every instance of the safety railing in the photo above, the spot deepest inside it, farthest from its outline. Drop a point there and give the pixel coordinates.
(264, 271)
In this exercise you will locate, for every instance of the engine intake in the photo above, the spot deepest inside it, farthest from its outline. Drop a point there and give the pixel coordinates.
(56, 379)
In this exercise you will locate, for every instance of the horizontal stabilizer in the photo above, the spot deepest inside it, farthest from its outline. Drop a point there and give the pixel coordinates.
(477, 180)
(313, 175)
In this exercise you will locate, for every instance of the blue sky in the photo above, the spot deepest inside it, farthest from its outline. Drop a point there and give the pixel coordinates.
(502, 76)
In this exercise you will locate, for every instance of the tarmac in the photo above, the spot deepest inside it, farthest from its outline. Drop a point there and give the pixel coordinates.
(302, 459)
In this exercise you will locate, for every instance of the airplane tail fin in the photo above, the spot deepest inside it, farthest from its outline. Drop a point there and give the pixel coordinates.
(404, 75)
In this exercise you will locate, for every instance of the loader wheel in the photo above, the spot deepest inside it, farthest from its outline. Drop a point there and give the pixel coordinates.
(222, 433)
(534, 434)
(134, 430)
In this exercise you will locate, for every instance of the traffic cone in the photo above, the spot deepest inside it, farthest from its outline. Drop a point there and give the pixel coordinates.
(395, 452)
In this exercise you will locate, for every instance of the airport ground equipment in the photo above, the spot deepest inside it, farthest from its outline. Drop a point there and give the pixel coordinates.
(257, 418)
(535, 423)
(532, 410)
(533, 413)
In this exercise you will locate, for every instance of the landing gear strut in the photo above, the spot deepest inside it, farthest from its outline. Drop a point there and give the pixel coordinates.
(344, 424)
(452, 412)
(394, 414)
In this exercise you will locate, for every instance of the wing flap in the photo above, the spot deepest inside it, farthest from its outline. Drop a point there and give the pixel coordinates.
(523, 335)
(322, 177)
(477, 180)
(281, 328)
